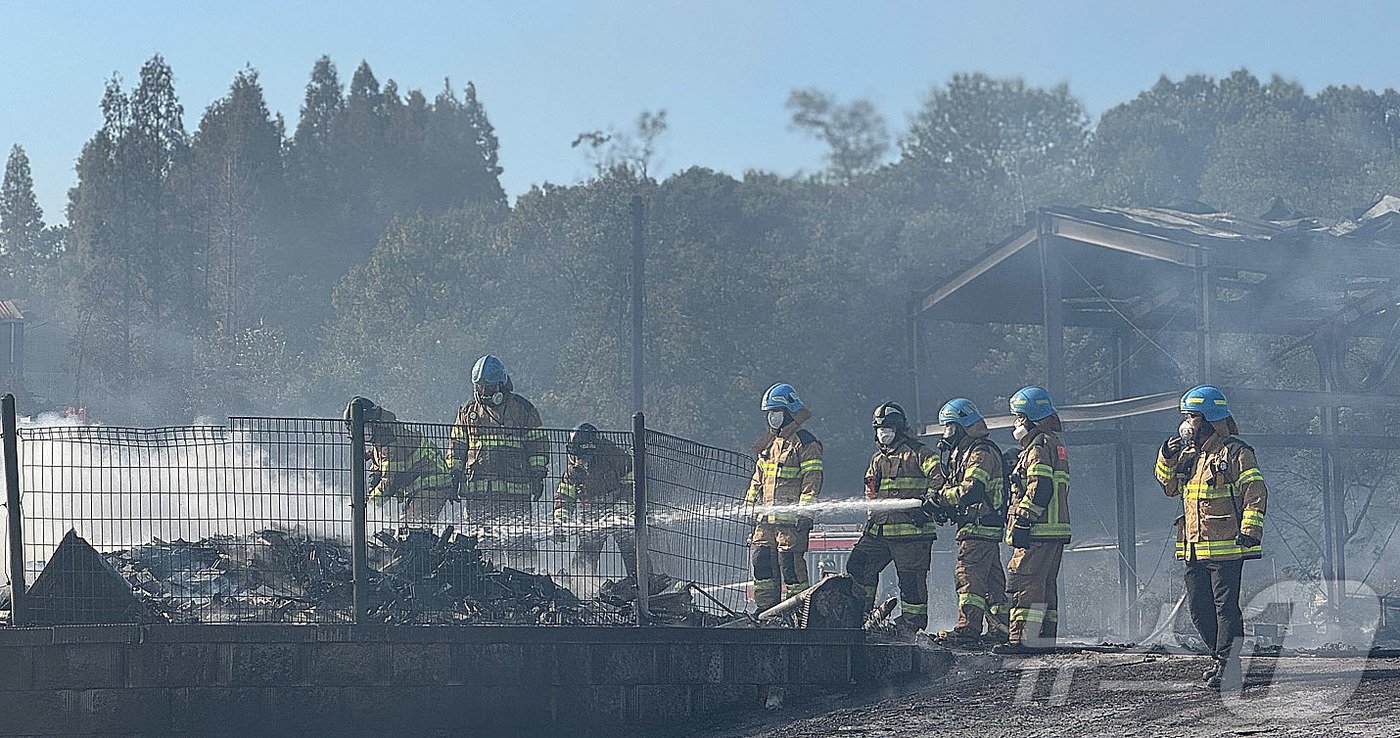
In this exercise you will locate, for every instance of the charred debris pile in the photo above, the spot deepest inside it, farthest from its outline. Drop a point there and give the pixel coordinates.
(416, 577)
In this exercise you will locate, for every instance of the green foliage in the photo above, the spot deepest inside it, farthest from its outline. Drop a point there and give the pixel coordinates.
(856, 136)
(27, 249)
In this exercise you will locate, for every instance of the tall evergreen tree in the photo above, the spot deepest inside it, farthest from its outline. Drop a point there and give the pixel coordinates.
(24, 250)
(484, 134)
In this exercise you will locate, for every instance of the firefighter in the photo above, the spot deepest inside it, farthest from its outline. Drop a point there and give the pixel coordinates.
(1222, 492)
(974, 499)
(595, 495)
(901, 468)
(404, 465)
(1037, 523)
(498, 454)
(788, 472)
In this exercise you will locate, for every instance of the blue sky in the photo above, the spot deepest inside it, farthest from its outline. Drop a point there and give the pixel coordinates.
(547, 70)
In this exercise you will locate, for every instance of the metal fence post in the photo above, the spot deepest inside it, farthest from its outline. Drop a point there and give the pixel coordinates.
(359, 555)
(9, 426)
(639, 517)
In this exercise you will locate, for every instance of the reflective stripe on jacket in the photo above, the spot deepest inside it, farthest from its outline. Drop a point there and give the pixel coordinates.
(502, 448)
(788, 470)
(407, 465)
(1040, 485)
(909, 470)
(976, 460)
(601, 484)
(1222, 495)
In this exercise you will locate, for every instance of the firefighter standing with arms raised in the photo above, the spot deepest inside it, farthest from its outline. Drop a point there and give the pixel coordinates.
(1223, 496)
(1037, 523)
(788, 472)
(973, 498)
(901, 468)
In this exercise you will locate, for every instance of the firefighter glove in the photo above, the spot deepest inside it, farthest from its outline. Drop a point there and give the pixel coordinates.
(1172, 447)
(459, 476)
(1020, 535)
(1245, 541)
(804, 522)
(919, 517)
(537, 488)
(374, 479)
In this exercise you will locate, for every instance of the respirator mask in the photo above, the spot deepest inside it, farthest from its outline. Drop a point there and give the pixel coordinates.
(490, 394)
(886, 436)
(1022, 429)
(777, 418)
(1192, 436)
(952, 433)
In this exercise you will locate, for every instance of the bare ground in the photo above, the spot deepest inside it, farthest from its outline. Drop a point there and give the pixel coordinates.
(1137, 695)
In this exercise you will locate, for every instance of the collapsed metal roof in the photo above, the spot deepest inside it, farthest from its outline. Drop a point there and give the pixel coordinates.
(9, 311)
(1116, 264)
(1154, 269)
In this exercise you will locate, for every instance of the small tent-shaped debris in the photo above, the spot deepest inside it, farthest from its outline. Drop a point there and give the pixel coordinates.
(79, 586)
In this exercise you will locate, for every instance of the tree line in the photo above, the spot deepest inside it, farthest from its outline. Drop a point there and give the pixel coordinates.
(370, 249)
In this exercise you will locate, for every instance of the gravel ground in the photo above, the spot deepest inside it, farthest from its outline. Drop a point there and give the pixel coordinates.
(1138, 695)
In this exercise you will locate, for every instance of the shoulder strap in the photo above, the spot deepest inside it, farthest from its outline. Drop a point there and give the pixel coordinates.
(806, 436)
(1233, 446)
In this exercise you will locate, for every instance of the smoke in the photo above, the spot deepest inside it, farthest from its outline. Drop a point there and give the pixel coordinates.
(122, 488)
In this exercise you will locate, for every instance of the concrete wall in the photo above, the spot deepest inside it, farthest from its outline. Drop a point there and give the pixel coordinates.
(399, 680)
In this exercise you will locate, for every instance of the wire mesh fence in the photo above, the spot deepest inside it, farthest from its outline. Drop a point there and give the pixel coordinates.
(699, 523)
(256, 522)
(205, 524)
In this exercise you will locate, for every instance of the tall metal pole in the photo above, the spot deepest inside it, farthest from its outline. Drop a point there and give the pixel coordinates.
(639, 518)
(1334, 517)
(638, 298)
(9, 426)
(914, 337)
(1127, 496)
(1052, 307)
(359, 554)
(1205, 340)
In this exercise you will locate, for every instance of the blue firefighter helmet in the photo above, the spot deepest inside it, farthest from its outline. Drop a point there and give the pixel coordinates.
(489, 370)
(1207, 400)
(781, 396)
(1032, 402)
(959, 410)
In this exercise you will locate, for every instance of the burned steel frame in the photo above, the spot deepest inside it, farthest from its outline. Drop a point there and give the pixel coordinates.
(1202, 259)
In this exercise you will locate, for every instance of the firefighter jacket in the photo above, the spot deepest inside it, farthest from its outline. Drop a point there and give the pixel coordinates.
(1223, 495)
(973, 486)
(501, 448)
(909, 470)
(1040, 484)
(597, 485)
(403, 463)
(788, 471)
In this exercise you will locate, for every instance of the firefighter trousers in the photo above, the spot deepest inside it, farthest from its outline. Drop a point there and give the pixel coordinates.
(423, 509)
(591, 544)
(981, 586)
(911, 559)
(779, 557)
(1032, 585)
(505, 524)
(1213, 594)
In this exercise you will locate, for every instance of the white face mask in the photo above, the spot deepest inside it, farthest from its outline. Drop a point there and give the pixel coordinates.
(885, 436)
(776, 418)
(1020, 432)
(1187, 432)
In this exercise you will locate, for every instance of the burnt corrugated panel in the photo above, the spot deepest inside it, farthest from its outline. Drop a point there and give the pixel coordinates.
(9, 311)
